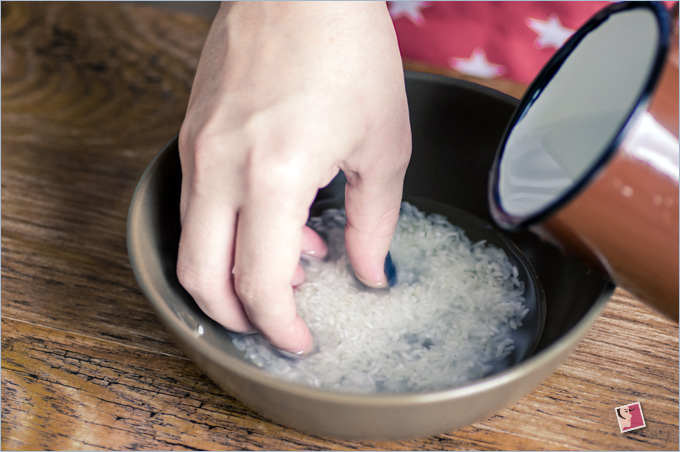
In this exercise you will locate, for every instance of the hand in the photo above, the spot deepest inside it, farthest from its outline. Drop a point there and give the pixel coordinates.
(285, 95)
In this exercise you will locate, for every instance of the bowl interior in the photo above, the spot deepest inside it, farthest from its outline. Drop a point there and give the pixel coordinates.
(456, 129)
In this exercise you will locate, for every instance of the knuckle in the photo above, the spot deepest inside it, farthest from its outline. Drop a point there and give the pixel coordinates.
(215, 301)
(194, 282)
(206, 149)
(277, 171)
(185, 139)
(191, 140)
(202, 149)
(249, 289)
(382, 228)
(267, 301)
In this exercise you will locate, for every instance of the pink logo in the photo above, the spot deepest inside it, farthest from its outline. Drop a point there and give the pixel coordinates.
(630, 417)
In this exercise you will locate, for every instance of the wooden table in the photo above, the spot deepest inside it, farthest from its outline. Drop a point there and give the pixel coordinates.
(90, 92)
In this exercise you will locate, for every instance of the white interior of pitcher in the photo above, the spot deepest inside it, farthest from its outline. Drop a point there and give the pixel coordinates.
(574, 115)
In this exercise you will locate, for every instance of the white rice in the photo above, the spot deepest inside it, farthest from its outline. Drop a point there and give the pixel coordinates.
(445, 322)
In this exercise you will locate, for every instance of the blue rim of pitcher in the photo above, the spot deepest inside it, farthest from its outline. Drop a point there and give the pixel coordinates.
(510, 221)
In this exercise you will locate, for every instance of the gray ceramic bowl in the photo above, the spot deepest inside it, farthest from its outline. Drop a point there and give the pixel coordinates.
(456, 129)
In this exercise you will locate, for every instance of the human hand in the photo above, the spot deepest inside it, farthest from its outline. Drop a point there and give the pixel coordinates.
(285, 95)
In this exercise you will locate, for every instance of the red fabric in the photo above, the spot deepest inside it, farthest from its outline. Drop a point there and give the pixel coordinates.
(512, 40)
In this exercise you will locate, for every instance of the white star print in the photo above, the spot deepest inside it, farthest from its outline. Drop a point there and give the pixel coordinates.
(408, 9)
(477, 65)
(550, 32)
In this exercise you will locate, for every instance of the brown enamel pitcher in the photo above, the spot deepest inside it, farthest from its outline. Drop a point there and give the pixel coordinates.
(589, 161)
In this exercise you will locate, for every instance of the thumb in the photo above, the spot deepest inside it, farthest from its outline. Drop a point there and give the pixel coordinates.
(372, 203)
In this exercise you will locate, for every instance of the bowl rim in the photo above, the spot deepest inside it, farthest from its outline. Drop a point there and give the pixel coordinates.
(192, 343)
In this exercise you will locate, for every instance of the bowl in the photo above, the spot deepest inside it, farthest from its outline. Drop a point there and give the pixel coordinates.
(456, 128)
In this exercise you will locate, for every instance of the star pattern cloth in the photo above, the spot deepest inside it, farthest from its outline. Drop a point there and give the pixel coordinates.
(510, 40)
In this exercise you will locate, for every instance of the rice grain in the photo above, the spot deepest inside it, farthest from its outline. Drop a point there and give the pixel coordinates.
(446, 321)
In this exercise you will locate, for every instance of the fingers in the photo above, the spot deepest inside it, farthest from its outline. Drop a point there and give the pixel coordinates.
(267, 252)
(312, 244)
(372, 214)
(298, 276)
(205, 260)
(375, 178)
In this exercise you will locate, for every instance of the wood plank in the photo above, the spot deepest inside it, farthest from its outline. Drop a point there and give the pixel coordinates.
(67, 391)
(90, 91)
(63, 391)
(106, 85)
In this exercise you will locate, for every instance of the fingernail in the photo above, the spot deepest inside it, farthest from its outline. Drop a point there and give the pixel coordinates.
(390, 270)
(291, 355)
(312, 255)
(296, 355)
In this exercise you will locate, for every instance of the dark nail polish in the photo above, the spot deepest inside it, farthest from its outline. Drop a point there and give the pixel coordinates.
(390, 270)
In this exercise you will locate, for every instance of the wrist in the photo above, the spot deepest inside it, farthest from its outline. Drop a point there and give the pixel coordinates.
(299, 15)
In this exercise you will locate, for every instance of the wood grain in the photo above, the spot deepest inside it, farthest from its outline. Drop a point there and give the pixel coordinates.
(506, 86)
(127, 398)
(90, 92)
